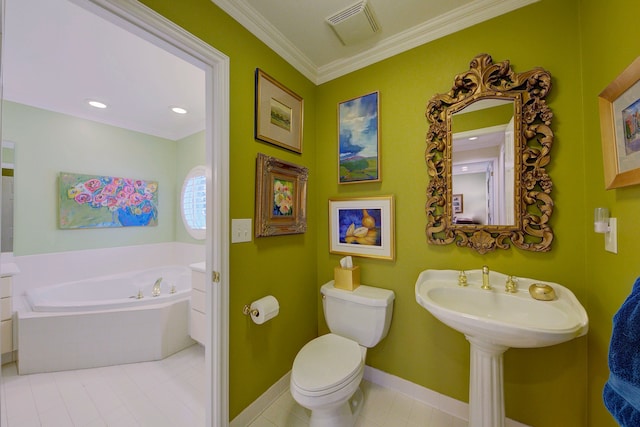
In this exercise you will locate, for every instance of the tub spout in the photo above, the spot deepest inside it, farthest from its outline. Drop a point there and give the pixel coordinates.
(156, 288)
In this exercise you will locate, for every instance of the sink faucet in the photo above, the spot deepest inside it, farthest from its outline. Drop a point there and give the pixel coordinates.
(485, 278)
(156, 288)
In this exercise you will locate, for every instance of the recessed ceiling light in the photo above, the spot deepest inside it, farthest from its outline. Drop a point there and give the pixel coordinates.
(96, 104)
(178, 110)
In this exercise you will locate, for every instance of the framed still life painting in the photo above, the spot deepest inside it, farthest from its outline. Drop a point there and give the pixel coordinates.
(279, 113)
(362, 227)
(281, 197)
(619, 106)
(359, 139)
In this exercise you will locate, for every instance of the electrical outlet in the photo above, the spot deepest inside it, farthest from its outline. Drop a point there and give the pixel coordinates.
(240, 230)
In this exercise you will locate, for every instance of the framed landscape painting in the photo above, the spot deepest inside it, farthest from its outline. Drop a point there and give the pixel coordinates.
(279, 113)
(359, 139)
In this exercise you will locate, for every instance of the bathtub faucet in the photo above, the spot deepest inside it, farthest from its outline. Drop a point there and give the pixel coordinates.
(156, 288)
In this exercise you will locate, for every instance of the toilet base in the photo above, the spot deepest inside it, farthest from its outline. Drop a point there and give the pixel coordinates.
(340, 415)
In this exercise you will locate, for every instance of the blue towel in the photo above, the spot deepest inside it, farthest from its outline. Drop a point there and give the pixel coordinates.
(621, 393)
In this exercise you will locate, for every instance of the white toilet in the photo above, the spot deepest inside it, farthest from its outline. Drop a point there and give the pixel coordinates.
(327, 371)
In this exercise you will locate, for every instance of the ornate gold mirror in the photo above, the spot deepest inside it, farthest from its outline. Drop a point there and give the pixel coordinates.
(488, 144)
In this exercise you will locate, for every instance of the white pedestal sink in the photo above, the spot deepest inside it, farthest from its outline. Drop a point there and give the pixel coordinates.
(493, 321)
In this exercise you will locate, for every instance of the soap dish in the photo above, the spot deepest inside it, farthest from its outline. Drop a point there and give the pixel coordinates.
(542, 292)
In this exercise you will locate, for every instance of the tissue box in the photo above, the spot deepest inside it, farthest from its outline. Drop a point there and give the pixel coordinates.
(346, 278)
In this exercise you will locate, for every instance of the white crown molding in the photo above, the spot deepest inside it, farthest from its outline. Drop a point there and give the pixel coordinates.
(449, 23)
(253, 21)
(456, 20)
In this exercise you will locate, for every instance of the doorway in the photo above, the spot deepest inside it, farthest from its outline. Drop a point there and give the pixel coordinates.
(148, 25)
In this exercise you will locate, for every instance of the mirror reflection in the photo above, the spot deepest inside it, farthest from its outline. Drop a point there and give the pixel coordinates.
(482, 163)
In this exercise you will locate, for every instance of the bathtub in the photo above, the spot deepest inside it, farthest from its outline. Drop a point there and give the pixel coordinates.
(104, 321)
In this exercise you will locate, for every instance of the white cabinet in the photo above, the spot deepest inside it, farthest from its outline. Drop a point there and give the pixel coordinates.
(6, 315)
(198, 323)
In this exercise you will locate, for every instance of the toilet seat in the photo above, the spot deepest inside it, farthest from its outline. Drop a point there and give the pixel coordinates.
(326, 364)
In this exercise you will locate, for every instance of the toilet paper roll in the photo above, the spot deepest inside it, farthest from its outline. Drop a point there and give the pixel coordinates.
(265, 309)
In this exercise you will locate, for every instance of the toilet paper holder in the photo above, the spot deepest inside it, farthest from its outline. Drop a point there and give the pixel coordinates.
(247, 311)
(262, 310)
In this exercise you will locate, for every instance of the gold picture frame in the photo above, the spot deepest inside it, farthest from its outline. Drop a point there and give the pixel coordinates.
(363, 226)
(619, 105)
(279, 113)
(281, 197)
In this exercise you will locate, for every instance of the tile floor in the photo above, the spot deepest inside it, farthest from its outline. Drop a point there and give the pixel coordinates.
(170, 393)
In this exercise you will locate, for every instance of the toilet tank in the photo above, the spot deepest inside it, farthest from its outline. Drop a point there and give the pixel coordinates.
(363, 315)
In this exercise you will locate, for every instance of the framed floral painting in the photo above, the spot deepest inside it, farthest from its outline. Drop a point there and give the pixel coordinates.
(281, 197)
(362, 227)
(94, 201)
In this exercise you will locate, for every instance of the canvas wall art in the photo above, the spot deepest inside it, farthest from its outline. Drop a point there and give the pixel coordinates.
(362, 227)
(359, 139)
(93, 201)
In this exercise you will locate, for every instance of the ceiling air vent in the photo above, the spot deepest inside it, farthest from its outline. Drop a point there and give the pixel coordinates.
(355, 23)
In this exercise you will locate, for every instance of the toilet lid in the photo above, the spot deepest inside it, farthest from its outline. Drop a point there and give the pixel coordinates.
(326, 362)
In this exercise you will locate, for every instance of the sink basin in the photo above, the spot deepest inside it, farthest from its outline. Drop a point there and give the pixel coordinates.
(494, 320)
(497, 317)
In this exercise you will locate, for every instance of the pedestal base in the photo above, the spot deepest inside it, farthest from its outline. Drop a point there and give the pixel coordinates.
(486, 395)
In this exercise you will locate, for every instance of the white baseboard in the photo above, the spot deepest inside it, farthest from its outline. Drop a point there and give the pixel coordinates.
(422, 394)
(267, 398)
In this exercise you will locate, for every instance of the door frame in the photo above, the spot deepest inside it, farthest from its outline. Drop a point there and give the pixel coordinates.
(148, 24)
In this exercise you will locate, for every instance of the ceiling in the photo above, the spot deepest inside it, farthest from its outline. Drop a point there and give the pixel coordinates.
(56, 55)
(296, 29)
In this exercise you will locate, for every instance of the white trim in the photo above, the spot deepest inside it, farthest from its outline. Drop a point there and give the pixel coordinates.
(424, 395)
(253, 21)
(148, 24)
(456, 20)
(266, 399)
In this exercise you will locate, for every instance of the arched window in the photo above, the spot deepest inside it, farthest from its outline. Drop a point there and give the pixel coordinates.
(194, 202)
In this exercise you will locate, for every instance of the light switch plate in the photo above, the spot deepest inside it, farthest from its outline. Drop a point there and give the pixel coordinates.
(611, 238)
(241, 230)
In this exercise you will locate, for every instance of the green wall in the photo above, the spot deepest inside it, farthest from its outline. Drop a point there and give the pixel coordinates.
(48, 143)
(610, 44)
(418, 347)
(282, 266)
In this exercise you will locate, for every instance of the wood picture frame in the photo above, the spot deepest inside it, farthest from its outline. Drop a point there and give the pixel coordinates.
(281, 197)
(619, 106)
(362, 227)
(278, 113)
(359, 139)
